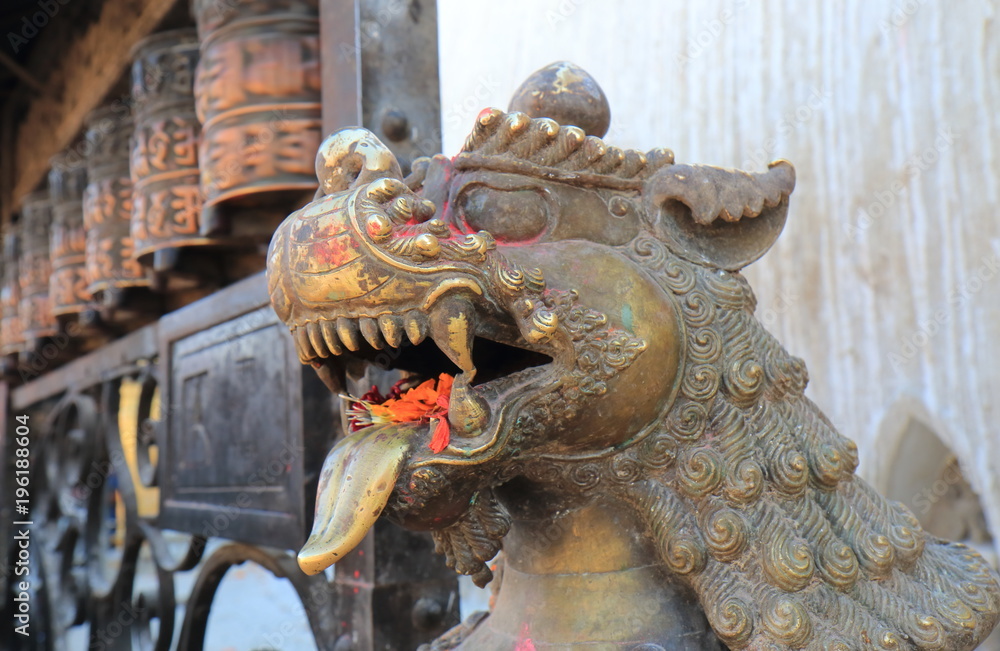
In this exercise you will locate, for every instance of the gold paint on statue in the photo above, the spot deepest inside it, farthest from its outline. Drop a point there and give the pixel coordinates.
(621, 424)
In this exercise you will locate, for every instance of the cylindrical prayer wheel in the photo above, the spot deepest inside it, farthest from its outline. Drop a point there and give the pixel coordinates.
(107, 203)
(166, 209)
(68, 284)
(35, 268)
(11, 330)
(257, 93)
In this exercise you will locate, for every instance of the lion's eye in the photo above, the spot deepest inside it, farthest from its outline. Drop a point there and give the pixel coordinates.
(509, 215)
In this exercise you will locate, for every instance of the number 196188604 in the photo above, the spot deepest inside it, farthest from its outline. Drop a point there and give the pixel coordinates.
(22, 467)
(22, 501)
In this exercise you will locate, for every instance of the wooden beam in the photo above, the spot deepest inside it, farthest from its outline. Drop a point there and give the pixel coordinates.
(6, 171)
(21, 73)
(85, 72)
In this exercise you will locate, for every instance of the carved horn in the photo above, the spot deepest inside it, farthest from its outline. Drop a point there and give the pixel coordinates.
(719, 217)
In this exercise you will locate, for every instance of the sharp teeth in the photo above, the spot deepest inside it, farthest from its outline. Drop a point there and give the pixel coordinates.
(369, 328)
(392, 329)
(416, 327)
(302, 345)
(453, 329)
(348, 331)
(329, 330)
(316, 339)
(468, 413)
(330, 378)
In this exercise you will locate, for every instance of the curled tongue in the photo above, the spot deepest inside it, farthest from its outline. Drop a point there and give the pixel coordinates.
(357, 479)
(453, 328)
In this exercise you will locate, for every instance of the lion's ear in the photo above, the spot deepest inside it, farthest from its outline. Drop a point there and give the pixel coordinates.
(719, 217)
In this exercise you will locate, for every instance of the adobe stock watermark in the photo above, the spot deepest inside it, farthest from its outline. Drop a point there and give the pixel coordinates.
(218, 9)
(915, 166)
(710, 31)
(926, 498)
(787, 125)
(462, 112)
(104, 637)
(33, 23)
(460, 115)
(370, 29)
(957, 297)
(783, 302)
(121, 112)
(38, 361)
(562, 12)
(319, 596)
(900, 15)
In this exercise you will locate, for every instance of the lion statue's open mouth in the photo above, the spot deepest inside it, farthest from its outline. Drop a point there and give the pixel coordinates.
(577, 338)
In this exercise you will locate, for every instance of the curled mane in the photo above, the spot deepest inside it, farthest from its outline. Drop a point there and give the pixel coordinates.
(759, 509)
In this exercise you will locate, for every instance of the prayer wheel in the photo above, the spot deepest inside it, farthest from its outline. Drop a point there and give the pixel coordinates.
(257, 92)
(68, 247)
(107, 203)
(11, 331)
(166, 208)
(35, 268)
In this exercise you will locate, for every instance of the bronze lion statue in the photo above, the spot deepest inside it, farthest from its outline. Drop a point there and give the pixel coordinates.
(586, 386)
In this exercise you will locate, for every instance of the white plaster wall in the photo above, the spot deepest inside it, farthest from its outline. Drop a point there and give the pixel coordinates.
(890, 111)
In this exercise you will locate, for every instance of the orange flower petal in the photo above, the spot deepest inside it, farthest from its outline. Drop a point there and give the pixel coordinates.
(380, 411)
(423, 393)
(428, 400)
(445, 383)
(442, 436)
(404, 413)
